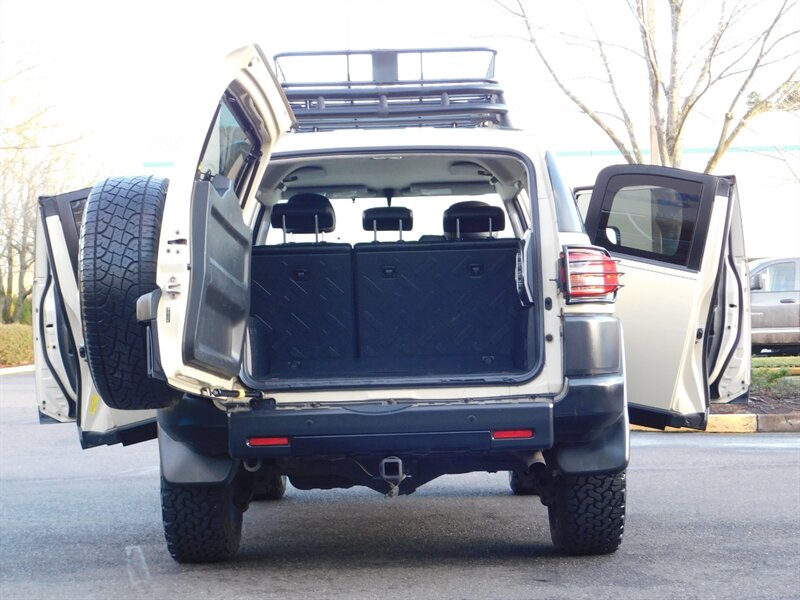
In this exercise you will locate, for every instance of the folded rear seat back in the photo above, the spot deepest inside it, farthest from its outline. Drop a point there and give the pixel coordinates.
(443, 306)
(302, 293)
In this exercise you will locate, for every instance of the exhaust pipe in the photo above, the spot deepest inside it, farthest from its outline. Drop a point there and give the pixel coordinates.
(537, 464)
(251, 465)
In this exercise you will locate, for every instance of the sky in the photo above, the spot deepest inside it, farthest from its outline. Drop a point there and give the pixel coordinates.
(108, 68)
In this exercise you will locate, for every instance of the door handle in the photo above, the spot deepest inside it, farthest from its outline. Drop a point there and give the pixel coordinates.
(787, 301)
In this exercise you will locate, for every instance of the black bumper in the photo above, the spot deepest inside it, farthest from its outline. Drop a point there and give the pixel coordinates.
(400, 428)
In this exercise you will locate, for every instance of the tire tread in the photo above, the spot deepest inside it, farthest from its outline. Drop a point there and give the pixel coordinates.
(118, 255)
(587, 514)
(197, 522)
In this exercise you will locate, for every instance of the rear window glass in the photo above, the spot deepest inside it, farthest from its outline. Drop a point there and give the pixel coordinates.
(427, 211)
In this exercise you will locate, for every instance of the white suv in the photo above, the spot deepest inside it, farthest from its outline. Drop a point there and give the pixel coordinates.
(375, 280)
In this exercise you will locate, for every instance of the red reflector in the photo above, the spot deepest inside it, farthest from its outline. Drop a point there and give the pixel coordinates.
(268, 441)
(512, 434)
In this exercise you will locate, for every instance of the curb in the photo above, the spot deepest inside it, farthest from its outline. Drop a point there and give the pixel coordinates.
(790, 371)
(743, 423)
(16, 370)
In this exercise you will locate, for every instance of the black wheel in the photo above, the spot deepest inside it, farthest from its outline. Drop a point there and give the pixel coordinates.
(202, 523)
(118, 248)
(522, 484)
(271, 487)
(587, 513)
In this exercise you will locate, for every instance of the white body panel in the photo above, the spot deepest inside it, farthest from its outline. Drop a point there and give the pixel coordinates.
(248, 68)
(94, 416)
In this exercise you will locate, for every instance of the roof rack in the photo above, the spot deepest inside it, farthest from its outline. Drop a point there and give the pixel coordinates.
(368, 89)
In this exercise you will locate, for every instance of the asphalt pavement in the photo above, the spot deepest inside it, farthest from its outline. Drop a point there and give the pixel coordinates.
(709, 516)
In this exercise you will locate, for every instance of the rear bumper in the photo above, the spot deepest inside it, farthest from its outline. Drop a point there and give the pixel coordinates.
(589, 419)
(381, 429)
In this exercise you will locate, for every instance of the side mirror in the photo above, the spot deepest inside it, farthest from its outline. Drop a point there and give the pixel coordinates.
(757, 282)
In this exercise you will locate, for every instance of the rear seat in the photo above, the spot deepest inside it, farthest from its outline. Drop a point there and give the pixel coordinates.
(453, 300)
(302, 293)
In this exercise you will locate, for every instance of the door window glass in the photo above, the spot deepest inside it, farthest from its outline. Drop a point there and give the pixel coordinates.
(779, 277)
(652, 221)
(228, 147)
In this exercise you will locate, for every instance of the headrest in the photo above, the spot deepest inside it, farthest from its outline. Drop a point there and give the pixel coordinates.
(299, 213)
(388, 218)
(473, 217)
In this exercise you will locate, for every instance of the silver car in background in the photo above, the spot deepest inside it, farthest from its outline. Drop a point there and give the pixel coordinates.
(775, 302)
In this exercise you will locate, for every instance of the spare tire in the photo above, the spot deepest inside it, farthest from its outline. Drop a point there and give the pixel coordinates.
(118, 254)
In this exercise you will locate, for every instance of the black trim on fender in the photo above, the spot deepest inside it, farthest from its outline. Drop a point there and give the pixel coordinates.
(196, 422)
(591, 405)
(592, 345)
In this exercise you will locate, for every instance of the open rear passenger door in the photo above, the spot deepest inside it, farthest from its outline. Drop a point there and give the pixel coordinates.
(685, 304)
(64, 388)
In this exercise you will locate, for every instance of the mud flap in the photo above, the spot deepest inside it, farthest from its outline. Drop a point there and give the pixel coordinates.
(182, 465)
(608, 453)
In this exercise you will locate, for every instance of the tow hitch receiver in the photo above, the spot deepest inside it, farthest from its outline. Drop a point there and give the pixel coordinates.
(391, 471)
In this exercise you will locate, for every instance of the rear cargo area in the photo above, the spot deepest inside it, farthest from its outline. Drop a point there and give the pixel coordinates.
(396, 309)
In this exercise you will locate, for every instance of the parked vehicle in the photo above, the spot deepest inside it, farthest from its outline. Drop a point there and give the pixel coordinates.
(775, 300)
(399, 288)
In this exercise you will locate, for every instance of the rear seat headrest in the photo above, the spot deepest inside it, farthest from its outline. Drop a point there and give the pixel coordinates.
(304, 213)
(473, 217)
(388, 218)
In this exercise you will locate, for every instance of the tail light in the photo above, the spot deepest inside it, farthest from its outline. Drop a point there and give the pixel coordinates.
(589, 274)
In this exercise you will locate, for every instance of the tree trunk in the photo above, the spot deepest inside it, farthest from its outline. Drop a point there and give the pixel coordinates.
(655, 155)
(9, 279)
(4, 299)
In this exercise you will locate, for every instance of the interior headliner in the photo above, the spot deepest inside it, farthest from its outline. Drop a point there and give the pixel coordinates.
(398, 174)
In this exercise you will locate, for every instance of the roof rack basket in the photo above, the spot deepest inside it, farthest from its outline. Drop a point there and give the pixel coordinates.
(367, 89)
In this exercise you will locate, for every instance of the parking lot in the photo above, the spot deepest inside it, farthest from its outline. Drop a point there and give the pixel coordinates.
(711, 516)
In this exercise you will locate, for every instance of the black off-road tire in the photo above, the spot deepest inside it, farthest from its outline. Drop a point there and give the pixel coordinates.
(272, 487)
(202, 524)
(522, 484)
(118, 254)
(587, 513)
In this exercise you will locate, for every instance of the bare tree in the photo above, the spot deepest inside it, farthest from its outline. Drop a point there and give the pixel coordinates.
(35, 158)
(722, 70)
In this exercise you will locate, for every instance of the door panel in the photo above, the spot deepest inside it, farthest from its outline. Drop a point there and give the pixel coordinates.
(219, 297)
(670, 230)
(204, 253)
(64, 388)
(56, 372)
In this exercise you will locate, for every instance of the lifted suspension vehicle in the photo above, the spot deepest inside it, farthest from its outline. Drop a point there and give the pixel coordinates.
(369, 277)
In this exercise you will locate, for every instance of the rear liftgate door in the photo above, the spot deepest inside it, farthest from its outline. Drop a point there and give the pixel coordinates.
(200, 336)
